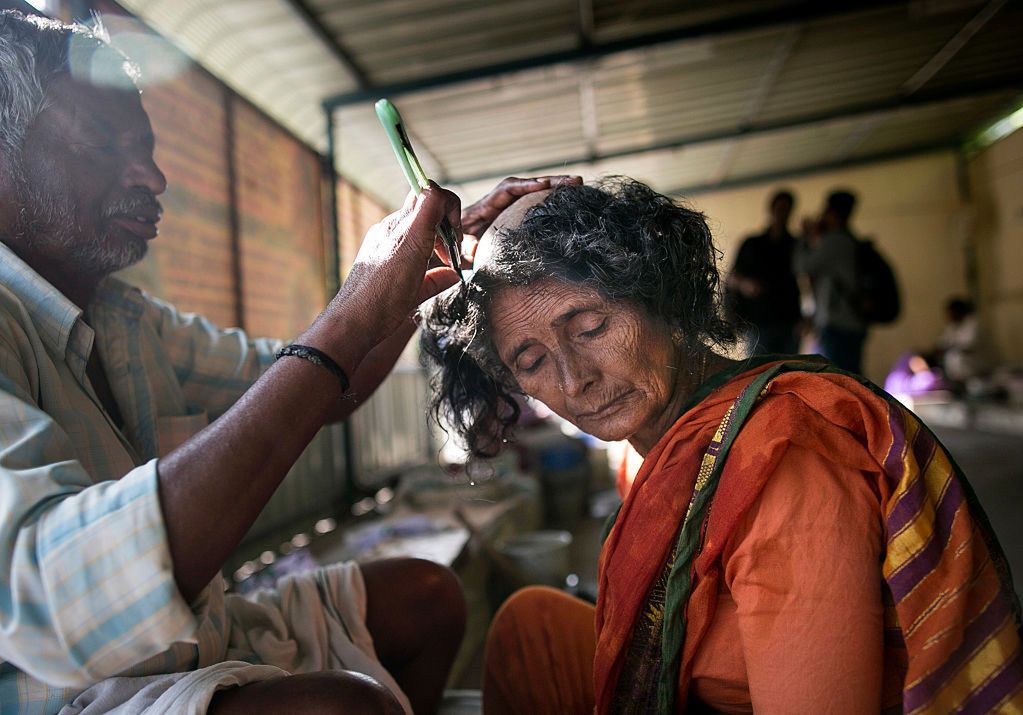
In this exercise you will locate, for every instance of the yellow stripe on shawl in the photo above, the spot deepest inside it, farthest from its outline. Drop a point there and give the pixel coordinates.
(912, 538)
(912, 429)
(985, 664)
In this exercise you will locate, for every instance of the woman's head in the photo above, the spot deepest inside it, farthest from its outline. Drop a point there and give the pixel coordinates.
(595, 303)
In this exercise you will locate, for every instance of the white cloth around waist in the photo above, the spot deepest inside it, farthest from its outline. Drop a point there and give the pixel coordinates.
(311, 622)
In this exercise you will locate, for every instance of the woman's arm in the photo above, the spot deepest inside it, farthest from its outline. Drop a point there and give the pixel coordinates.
(804, 569)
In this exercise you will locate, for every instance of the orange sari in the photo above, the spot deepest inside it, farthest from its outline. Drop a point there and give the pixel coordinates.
(952, 637)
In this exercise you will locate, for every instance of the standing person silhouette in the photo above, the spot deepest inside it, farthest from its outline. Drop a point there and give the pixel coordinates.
(762, 292)
(827, 255)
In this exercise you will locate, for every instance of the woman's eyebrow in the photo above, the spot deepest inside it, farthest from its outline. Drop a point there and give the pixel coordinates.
(567, 316)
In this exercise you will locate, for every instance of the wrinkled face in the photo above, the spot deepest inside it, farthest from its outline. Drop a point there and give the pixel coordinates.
(85, 180)
(605, 367)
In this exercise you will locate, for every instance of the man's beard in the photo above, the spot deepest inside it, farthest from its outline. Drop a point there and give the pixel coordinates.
(47, 225)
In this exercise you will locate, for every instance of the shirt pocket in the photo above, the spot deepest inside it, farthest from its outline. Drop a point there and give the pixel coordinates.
(172, 431)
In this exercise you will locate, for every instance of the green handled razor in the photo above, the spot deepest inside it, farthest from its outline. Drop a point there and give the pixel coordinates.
(413, 170)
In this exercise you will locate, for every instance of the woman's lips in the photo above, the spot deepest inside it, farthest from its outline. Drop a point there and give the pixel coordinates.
(607, 409)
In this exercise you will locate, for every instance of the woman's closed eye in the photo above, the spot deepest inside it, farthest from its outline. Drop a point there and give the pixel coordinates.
(532, 367)
(596, 330)
(529, 361)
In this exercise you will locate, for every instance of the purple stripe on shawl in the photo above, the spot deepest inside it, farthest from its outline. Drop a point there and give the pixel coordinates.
(893, 462)
(997, 689)
(919, 565)
(912, 501)
(976, 633)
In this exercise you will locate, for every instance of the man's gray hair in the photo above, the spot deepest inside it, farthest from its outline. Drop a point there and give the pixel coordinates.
(34, 51)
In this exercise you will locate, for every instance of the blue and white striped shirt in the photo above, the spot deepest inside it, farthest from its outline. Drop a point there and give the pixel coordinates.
(86, 585)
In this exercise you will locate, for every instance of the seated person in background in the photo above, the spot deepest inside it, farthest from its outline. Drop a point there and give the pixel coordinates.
(795, 541)
(958, 347)
(954, 360)
(763, 294)
(138, 444)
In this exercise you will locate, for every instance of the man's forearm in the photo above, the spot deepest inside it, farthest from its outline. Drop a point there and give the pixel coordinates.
(372, 371)
(214, 486)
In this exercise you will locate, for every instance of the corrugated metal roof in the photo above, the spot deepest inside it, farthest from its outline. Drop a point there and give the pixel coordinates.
(680, 94)
(262, 49)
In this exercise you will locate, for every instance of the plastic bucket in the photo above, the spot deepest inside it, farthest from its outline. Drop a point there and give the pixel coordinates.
(539, 556)
(565, 476)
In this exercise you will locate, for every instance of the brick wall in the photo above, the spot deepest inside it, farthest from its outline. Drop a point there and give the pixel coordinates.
(245, 231)
(282, 233)
(191, 263)
(357, 212)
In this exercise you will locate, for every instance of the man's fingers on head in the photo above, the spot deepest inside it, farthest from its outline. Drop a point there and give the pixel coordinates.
(469, 245)
(520, 187)
(436, 281)
(564, 180)
(441, 250)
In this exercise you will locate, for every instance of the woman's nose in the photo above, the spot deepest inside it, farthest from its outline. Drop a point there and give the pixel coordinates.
(576, 375)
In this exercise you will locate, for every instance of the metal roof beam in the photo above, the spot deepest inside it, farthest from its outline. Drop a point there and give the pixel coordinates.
(586, 21)
(851, 112)
(803, 11)
(762, 91)
(302, 9)
(951, 48)
(923, 75)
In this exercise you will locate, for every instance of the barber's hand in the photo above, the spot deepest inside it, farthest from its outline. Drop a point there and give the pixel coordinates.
(476, 219)
(389, 278)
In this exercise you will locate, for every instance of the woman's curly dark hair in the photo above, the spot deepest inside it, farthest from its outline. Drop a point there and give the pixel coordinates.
(619, 237)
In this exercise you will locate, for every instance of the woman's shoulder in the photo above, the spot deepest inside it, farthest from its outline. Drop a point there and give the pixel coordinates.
(822, 502)
(813, 405)
(810, 430)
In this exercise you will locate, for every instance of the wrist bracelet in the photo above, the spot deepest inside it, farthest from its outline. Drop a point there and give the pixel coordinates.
(316, 357)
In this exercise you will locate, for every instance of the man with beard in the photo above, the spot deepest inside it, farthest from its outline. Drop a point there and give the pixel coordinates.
(120, 497)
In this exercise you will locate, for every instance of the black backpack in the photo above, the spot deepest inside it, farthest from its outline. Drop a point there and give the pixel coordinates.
(877, 290)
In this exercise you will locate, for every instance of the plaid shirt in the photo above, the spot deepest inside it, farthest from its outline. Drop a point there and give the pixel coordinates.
(86, 585)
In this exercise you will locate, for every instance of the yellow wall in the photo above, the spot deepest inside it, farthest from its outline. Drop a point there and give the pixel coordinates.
(910, 207)
(996, 185)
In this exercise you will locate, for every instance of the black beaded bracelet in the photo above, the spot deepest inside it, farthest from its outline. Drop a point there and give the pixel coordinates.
(316, 357)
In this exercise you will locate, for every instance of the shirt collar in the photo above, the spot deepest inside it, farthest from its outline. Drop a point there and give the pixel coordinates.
(56, 318)
(50, 310)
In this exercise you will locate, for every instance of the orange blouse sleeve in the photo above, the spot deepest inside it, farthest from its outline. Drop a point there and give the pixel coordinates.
(803, 568)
